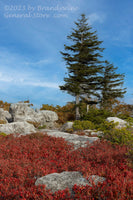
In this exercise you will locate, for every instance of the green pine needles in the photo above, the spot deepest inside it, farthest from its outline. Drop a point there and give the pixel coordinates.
(84, 64)
(111, 84)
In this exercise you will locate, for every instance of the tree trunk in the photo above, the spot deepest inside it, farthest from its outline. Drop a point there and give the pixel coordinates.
(87, 108)
(77, 108)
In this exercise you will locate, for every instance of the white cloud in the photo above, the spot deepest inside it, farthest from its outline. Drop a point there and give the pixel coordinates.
(17, 70)
(123, 37)
(95, 17)
(4, 78)
(42, 84)
(39, 62)
(25, 81)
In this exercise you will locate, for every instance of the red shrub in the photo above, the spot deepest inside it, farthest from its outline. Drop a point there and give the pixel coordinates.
(24, 159)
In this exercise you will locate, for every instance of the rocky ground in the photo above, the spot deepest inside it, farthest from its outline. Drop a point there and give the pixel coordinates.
(77, 140)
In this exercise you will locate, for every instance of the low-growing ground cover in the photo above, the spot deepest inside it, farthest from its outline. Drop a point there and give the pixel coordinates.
(24, 159)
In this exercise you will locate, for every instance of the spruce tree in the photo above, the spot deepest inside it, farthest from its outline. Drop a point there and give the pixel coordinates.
(112, 83)
(83, 60)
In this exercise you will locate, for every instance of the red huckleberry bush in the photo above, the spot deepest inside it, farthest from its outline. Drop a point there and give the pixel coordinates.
(24, 159)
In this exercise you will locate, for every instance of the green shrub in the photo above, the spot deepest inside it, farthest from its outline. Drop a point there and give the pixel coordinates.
(88, 125)
(82, 125)
(69, 130)
(119, 136)
(78, 127)
(105, 126)
(42, 127)
(3, 134)
(129, 120)
(97, 116)
(123, 116)
(123, 136)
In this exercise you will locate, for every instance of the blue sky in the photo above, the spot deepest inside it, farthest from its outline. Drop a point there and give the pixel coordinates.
(32, 32)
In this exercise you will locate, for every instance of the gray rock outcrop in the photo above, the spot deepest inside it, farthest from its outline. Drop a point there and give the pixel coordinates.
(22, 112)
(96, 179)
(46, 117)
(60, 181)
(77, 140)
(66, 126)
(5, 116)
(121, 123)
(17, 127)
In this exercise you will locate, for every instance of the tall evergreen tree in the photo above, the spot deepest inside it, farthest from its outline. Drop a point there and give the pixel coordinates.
(83, 62)
(112, 83)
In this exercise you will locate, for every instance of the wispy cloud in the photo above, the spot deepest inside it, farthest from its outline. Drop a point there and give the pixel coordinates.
(95, 17)
(16, 70)
(123, 37)
(39, 62)
(25, 81)
(4, 78)
(42, 84)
